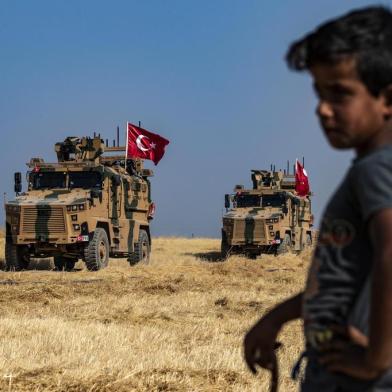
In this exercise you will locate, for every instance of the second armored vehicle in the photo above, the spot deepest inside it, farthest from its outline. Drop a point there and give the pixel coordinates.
(85, 206)
(270, 218)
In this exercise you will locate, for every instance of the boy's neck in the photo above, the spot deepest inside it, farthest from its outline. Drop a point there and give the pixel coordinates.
(380, 139)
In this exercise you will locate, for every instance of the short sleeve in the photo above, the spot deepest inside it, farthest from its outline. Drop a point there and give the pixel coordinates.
(372, 183)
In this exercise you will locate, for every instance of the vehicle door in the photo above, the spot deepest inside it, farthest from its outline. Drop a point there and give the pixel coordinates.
(115, 199)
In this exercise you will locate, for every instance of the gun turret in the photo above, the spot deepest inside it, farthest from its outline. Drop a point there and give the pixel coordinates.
(79, 149)
(264, 179)
(92, 150)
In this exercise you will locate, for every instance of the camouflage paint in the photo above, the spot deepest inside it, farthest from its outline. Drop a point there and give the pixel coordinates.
(121, 210)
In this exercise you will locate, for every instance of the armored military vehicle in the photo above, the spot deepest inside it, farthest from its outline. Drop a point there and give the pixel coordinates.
(270, 218)
(90, 204)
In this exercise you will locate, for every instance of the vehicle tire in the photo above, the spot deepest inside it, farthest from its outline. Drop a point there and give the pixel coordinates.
(285, 245)
(142, 250)
(96, 253)
(225, 247)
(62, 263)
(16, 257)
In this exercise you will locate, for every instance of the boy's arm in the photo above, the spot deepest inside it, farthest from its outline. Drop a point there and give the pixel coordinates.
(260, 341)
(380, 332)
(370, 359)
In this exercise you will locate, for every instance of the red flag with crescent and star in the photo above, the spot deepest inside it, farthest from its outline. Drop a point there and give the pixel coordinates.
(301, 180)
(144, 144)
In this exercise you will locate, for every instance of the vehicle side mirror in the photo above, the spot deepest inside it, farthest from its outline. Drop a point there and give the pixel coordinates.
(227, 201)
(147, 173)
(18, 182)
(116, 181)
(96, 194)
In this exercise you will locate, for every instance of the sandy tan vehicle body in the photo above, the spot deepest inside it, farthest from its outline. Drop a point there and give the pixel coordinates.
(270, 218)
(85, 206)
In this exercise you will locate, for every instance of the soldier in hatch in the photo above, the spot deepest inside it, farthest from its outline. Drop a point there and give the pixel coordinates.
(347, 303)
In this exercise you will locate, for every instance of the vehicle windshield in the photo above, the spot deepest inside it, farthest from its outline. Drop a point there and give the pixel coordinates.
(244, 201)
(43, 180)
(85, 179)
(276, 200)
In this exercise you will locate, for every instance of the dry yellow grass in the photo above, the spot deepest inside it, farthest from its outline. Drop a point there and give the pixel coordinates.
(174, 325)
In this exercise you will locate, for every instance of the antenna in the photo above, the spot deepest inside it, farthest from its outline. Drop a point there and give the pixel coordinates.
(140, 124)
(303, 161)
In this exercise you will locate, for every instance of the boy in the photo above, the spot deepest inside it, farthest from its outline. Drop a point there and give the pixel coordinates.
(347, 303)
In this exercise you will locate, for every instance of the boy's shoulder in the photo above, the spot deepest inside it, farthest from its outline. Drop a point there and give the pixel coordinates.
(373, 168)
(370, 181)
(381, 156)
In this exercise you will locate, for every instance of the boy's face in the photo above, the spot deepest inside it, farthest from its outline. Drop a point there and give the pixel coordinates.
(350, 116)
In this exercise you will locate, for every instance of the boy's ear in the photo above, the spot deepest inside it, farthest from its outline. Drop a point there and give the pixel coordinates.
(387, 95)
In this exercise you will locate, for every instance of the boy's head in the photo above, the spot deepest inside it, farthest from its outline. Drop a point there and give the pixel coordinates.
(350, 59)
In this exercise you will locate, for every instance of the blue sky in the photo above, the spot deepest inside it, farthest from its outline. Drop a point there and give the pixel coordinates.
(209, 75)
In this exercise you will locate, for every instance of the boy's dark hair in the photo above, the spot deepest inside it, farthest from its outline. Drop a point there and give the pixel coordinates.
(364, 34)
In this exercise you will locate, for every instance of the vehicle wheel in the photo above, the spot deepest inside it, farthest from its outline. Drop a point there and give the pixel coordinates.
(142, 250)
(64, 263)
(16, 257)
(285, 245)
(225, 247)
(96, 253)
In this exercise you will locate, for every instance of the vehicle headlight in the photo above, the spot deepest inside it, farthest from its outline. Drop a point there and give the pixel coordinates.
(76, 207)
(276, 220)
(12, 209)
(14, 219)
(227, 222)
(269, 220)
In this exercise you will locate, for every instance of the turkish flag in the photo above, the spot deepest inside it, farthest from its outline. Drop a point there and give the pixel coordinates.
(144, 144)
(301, 180)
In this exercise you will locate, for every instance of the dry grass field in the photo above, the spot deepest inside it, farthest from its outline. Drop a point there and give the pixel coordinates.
(176, 324)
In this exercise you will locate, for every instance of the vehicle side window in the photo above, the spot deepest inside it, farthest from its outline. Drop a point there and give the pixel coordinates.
(47, 180)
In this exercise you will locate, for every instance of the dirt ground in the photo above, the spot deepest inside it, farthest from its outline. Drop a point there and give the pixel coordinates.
(176, 324)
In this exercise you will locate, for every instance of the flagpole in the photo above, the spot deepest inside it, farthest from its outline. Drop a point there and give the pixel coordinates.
(126, 147)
